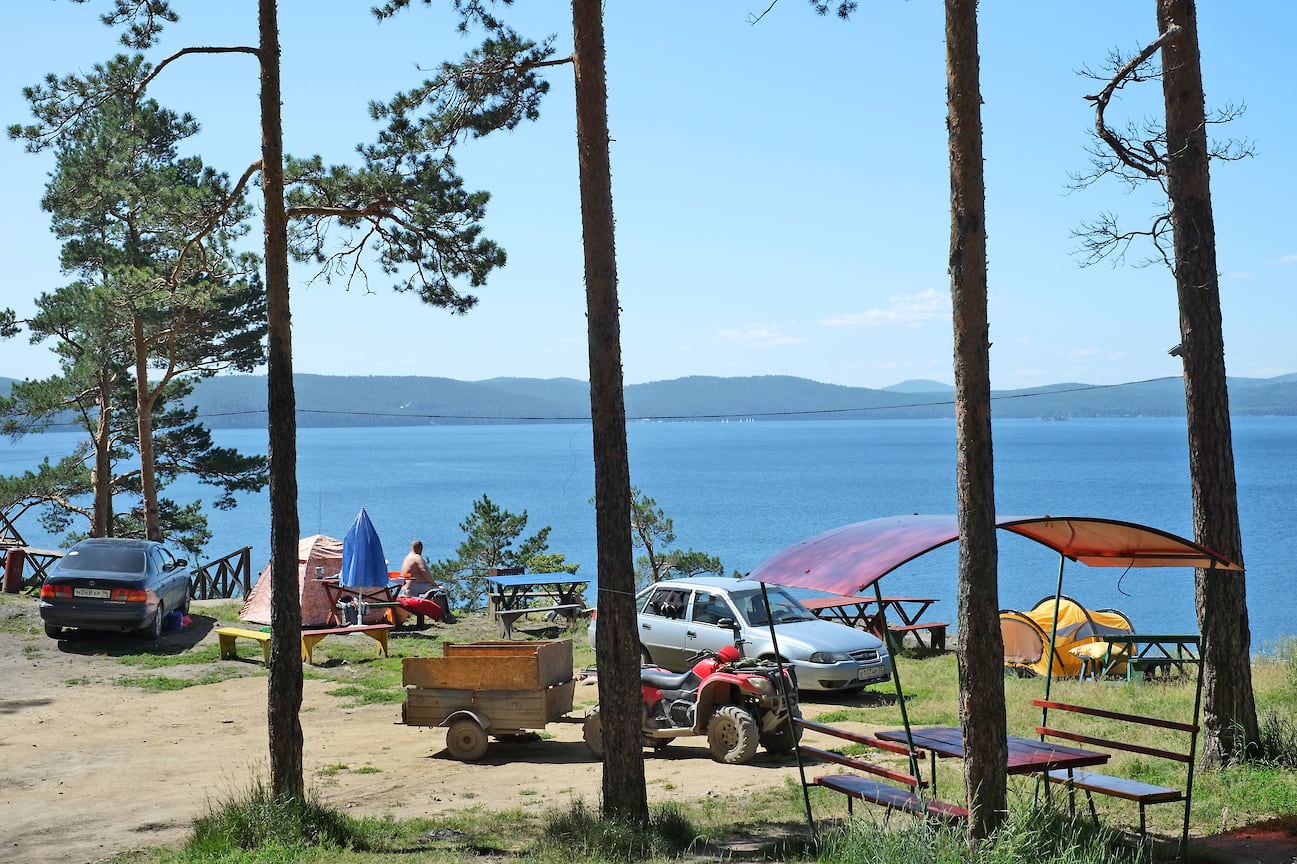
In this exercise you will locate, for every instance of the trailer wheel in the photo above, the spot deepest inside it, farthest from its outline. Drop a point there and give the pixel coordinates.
(466, 740)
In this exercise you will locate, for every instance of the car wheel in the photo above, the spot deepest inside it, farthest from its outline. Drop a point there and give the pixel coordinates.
(783, 739)
(645, 658)
(184, 604)
(153, 630)
(732, 735)
(592, 732)
(466, 740)
(53, 631)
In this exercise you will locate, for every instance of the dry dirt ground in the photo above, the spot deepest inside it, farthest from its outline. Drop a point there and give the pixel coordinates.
(89, 768)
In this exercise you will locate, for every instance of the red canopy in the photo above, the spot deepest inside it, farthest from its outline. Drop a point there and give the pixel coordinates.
(849, 559)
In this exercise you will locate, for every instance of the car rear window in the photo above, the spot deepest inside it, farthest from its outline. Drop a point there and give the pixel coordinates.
(104, 559)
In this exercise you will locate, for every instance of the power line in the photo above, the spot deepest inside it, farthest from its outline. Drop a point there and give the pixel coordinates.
(803, 412)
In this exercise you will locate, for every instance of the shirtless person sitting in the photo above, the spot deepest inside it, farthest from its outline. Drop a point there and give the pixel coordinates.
(418, 578)
(419, 582)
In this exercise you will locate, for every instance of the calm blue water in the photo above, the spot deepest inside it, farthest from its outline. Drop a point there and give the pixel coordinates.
(745, 490)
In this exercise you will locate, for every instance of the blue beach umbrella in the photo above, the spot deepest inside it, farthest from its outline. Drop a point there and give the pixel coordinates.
(363, 563)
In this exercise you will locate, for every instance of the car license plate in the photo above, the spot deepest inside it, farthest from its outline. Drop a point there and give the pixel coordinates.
(867, 674)
(96, 593)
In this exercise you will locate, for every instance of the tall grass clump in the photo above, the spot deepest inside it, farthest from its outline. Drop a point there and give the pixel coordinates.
(1029, 836)
(257, 820)
(1278, 741)
(581, 834)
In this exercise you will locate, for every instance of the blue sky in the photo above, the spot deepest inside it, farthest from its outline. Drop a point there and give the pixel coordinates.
(781, 190)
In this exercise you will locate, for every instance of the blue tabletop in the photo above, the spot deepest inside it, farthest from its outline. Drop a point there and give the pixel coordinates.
(537, 579)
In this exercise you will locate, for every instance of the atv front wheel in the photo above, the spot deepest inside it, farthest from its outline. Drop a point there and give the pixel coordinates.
(732, 735)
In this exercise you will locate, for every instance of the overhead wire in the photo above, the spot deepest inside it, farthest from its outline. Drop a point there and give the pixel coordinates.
(800, 412)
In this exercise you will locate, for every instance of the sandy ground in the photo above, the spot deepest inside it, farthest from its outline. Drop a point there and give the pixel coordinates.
(89, 768)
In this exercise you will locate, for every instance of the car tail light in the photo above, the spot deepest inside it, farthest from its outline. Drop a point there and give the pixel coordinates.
(130, 595)
(49, 592)
(594, 615)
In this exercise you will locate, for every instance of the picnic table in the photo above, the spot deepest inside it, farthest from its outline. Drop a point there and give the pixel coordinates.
(903, 615)
(1143, 653)
(381, 598)
(1026, 755)
(513, 595)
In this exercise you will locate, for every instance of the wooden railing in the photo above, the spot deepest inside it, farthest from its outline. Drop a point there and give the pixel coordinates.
(226, 577)
(33, 564)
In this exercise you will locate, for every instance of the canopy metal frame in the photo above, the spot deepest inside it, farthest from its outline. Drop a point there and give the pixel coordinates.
(849, 559)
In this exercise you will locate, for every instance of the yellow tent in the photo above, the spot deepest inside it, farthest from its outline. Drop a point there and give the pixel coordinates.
(1026, 635)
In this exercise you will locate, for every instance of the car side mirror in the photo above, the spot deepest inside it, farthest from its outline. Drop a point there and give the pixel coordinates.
(180, 562)
(728, 624)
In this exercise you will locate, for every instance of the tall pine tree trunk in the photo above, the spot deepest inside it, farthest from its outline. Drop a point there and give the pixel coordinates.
(1229, 709)
(144, 410)
(285, 684)
(101, 476)
(617, 646)
(981, 672)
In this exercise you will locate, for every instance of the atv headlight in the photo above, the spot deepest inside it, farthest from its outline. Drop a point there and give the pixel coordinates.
(761, 685)
(829, 657)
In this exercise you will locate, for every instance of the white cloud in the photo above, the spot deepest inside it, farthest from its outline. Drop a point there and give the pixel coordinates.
(1285, 259)
(903, 310)
(758, 336)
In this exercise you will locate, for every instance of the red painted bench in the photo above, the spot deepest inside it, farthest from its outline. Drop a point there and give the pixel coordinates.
(904, 792)
(1119, 787)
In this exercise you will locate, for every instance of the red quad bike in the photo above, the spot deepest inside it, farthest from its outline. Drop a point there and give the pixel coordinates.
(736, 703)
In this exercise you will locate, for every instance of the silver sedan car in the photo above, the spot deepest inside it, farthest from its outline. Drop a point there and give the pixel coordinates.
(679, 617)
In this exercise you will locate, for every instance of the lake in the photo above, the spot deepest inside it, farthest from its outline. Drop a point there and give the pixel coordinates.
(744, 490)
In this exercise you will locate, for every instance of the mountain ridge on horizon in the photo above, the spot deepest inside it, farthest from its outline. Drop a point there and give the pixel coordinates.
(238, 401)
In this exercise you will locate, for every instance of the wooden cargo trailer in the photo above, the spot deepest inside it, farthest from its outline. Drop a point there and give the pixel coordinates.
(488, 688)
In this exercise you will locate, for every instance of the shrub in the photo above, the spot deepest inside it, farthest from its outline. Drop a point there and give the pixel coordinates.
(580, 833)
(256, 819)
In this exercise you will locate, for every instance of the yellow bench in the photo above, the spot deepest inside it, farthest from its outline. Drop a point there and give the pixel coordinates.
(310, 638)
(228, 635)
(377, 632)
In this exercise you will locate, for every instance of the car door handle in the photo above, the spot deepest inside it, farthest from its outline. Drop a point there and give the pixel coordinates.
(646, 626)
(691, 634)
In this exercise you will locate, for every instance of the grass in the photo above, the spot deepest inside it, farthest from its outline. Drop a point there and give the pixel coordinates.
(1260, 787)
(1030, 835)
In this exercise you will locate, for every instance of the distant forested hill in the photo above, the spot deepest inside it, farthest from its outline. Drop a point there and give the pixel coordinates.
(322, 400)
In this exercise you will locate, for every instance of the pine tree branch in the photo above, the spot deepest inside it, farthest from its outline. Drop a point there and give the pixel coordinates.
(215, 219)
(233, 49)
(1150, 166)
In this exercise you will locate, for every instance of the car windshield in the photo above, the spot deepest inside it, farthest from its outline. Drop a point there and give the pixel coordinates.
(785, 607)
(104, 559)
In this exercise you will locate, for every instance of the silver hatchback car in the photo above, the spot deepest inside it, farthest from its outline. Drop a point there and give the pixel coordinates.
(679, 617)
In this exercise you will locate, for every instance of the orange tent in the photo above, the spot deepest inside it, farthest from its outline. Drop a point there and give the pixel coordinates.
(317, 557)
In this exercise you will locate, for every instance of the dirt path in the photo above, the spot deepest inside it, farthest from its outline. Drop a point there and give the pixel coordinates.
(89, 768)
(92, 768)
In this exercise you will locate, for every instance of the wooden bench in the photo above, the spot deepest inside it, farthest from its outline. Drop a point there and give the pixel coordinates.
(228, 635)
(904, 792)
(1120, 787)
(377, 632)
(936, 634)
(506, 617)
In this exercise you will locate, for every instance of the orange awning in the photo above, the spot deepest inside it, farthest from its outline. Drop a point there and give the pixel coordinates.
(848, 559)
